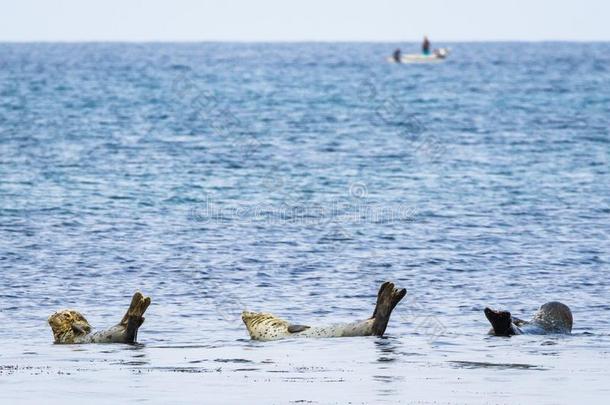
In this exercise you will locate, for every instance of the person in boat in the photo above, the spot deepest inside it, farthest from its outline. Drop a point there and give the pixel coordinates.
(425, 46)
(396, 55)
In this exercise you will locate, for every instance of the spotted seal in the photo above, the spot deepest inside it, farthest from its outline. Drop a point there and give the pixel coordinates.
(264, 326)
(552, 317)
(70, 326)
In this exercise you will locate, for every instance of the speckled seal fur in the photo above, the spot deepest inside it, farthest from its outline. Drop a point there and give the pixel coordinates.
(70, 326)
(552, 317)
(265, 326)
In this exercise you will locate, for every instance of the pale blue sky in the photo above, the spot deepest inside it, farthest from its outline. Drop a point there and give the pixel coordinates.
(304, 20)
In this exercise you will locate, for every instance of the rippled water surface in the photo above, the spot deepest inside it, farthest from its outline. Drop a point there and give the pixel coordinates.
(295, 178)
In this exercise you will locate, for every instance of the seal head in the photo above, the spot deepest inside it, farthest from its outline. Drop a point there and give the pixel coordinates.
(554, 317)
(68, 325)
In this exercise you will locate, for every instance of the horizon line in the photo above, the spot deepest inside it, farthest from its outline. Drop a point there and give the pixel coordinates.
(295, 41)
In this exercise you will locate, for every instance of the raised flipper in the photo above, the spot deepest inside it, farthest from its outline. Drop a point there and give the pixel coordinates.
(501, 322)
(381, 290)
(133, 318)
(297, 328)
(387, 299)
(397, 296)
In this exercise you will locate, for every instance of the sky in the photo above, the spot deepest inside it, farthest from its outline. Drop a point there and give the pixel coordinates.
(303, 20)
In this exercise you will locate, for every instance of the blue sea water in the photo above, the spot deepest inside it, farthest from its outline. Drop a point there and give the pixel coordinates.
(294, 179)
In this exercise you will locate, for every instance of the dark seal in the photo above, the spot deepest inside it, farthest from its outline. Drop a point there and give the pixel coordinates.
(552, 317)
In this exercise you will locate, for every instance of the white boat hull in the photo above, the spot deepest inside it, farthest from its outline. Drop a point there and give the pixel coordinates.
(436, 57)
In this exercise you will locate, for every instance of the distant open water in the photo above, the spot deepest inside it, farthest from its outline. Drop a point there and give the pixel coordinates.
(295, 178)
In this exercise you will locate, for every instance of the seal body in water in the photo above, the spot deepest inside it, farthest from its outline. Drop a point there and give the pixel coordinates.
(264, 326)
(70, 326)
(552, 317)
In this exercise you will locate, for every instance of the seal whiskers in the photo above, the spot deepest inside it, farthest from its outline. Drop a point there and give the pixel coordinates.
(265, 326)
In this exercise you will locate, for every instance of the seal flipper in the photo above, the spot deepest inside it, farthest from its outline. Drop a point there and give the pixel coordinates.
(135, 301)
(381, 290)
(297, 328)
(80, 329)
(133, 318)
(519, 322)
(398, 295)
(501, 322)
(387, 299)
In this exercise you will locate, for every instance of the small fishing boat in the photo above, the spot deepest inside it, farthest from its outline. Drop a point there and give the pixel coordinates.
(439, 55)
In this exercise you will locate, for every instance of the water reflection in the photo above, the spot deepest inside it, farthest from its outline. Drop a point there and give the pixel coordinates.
(482, 364)
(386, 349)
(387, 355)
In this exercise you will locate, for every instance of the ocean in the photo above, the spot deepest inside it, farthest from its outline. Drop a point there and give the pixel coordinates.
(295, 178)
